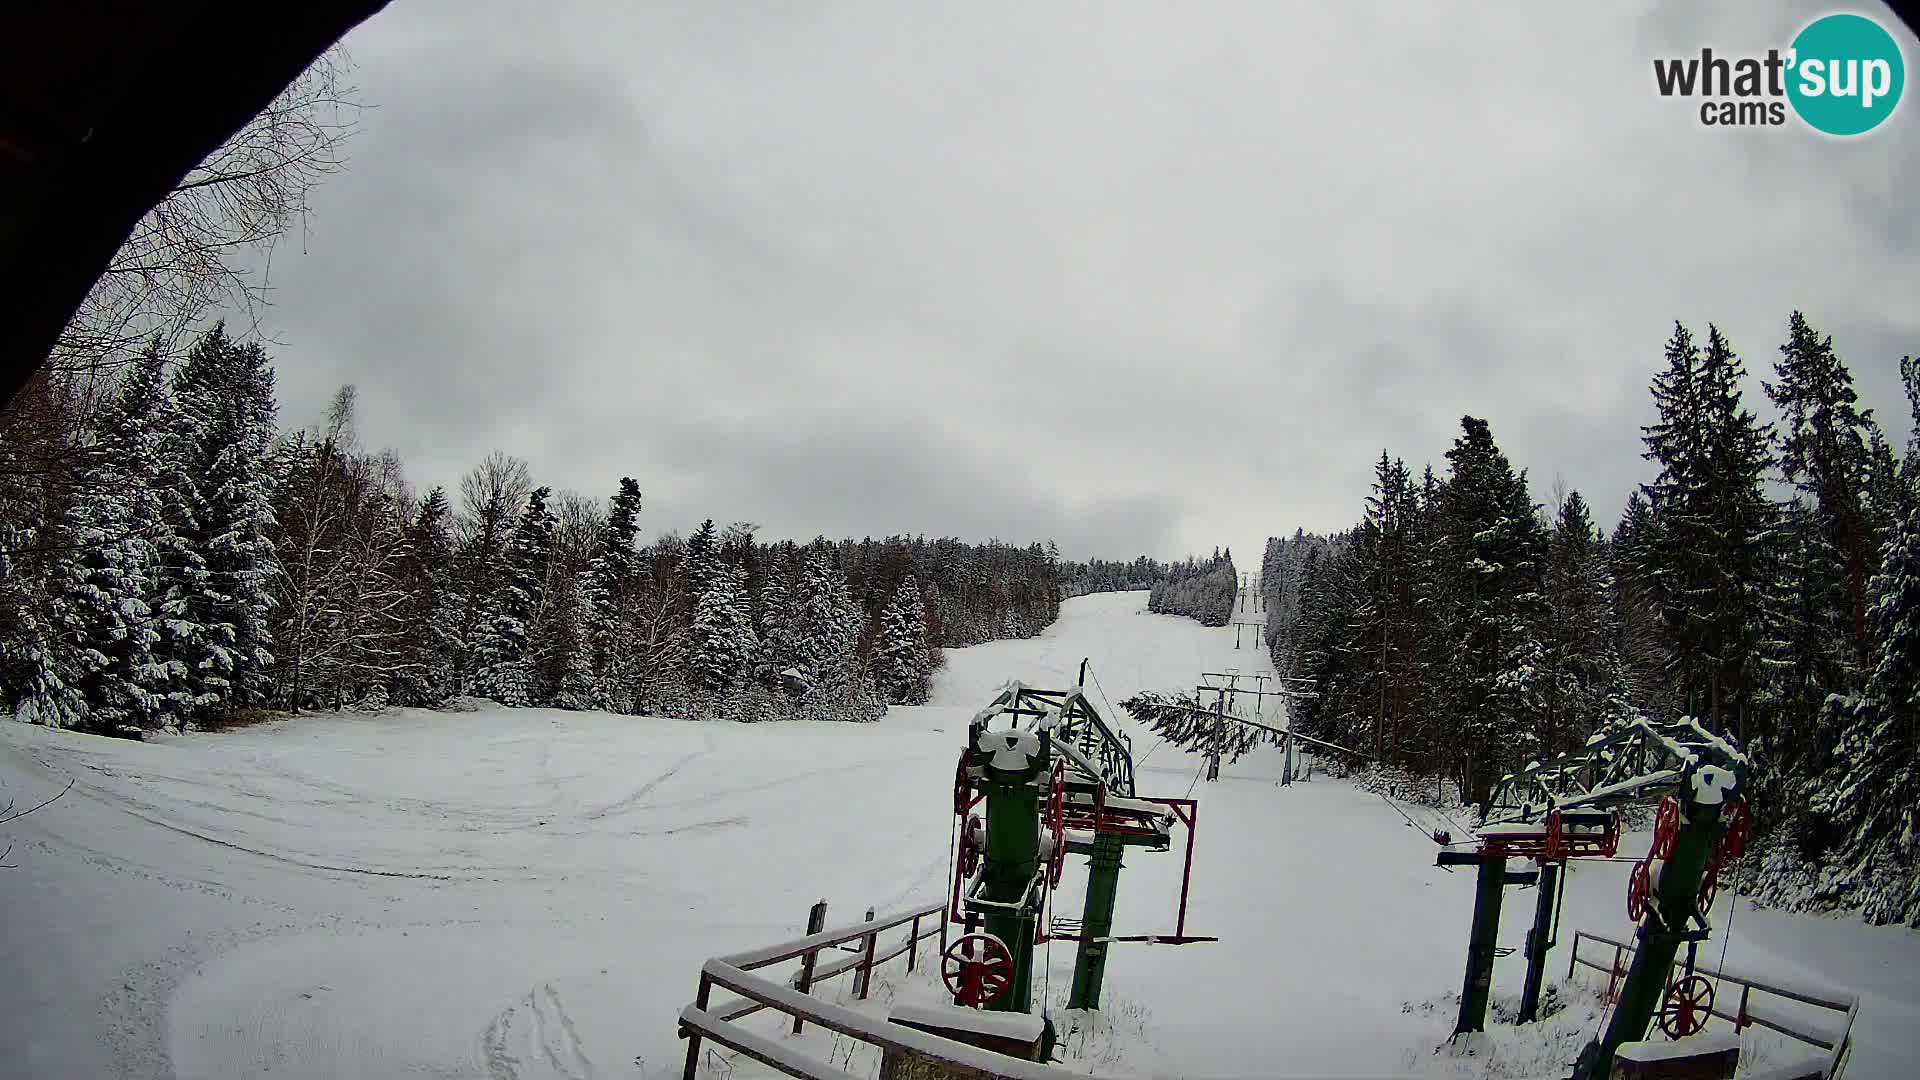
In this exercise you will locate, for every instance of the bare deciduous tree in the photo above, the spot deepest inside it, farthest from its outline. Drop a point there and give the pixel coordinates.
(209, 244)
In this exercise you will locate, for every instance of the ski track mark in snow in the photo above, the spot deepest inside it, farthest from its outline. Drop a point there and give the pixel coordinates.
(534, 1032)
(282, 857)
(629, 801)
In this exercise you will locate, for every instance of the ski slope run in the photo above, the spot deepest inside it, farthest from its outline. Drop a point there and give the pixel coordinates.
(511, 893)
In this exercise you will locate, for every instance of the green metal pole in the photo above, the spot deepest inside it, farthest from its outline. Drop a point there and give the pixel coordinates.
(1103, 887)
(1012, 857)
(1491, 885)
(1539, 940)
(1659, 937)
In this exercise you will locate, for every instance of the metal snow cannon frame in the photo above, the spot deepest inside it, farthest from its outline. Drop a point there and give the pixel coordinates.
(1569, 808)
(1054, 779)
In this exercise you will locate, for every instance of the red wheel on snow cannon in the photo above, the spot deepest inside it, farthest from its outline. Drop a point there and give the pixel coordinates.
(1666, 827)
(1611, 846)
(1553, 835)
(1709, 884)
(969, 847)
(1734, 843)
(1639, 890)
(977, 969)
(1057, 825)
(962, 788)
(1689, 1001)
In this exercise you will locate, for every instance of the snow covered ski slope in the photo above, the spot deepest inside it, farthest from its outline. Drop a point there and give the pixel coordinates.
(527, 893)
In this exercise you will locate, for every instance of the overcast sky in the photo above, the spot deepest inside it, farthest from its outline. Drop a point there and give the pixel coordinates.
(1140, 277)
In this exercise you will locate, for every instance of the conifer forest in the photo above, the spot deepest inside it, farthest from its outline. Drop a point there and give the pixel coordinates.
(170, 558)
(1766, 582)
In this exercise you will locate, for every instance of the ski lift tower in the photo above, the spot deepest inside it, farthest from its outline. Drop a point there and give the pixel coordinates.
(1053, 778)
(1569, 808)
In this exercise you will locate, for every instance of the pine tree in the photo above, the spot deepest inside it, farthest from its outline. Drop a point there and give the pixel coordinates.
(1824, 454)
(1868, 797)
(722, 644)
(106, 613)
(430, 631)
(902, 662)
(1582, 673)
(702, 557)
(1713, 529)
(493, 494)
(778, 649)
(1494, 538)
(1642, 641)
(225, 390)
(507, 666)
(610, 594)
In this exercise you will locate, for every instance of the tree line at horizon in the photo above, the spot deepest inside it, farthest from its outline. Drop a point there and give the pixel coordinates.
(1200, 589)
(1766, 583)
(169, 558)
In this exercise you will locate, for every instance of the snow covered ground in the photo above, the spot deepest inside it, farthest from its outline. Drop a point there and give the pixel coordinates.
(526, 893)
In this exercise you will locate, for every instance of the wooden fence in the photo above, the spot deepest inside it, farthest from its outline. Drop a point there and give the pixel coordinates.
(705, 1020)
(1834, 1041)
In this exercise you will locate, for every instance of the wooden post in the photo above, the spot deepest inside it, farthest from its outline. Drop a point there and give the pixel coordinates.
(816, 922)
(693, 1037)
(866, 965)
(1740, 1021)
(913, 944)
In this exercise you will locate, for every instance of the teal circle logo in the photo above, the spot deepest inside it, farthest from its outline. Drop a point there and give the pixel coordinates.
(1847, 74)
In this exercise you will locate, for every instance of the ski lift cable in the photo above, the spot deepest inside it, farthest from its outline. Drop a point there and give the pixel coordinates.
(1196, 779)
(1409, 820)
(1733, 908)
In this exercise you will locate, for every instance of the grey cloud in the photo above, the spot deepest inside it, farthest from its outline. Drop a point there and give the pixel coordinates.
(1137, 279)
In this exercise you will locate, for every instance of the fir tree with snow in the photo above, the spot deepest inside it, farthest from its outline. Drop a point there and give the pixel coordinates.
(723, 642)
(902, 662)
(1868, 798)
(610, 591)
(225, 392)
(429, 624)
(506, 670)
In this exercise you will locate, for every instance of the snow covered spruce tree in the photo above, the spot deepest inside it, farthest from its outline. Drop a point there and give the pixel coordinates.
(1829, 549)
(115, 576)
(611, 593)
(1713, 529)
(429, 630)
(826, 626)
(778, 642)
(505, 670)
(1826, 454)
(903, 662)
(722, 645)
(225, 394)
(1582, 684)
(492, 495)
(1869, 794)
(1497, 547)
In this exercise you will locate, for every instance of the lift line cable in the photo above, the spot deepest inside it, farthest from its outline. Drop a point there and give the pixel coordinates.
(1733, 907)
(1196, 778)
(1115, 713)
(1412, 824)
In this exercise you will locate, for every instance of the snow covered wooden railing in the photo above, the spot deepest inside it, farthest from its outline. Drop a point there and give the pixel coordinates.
(862, 945)
(1835, 1041)
(736, 973)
